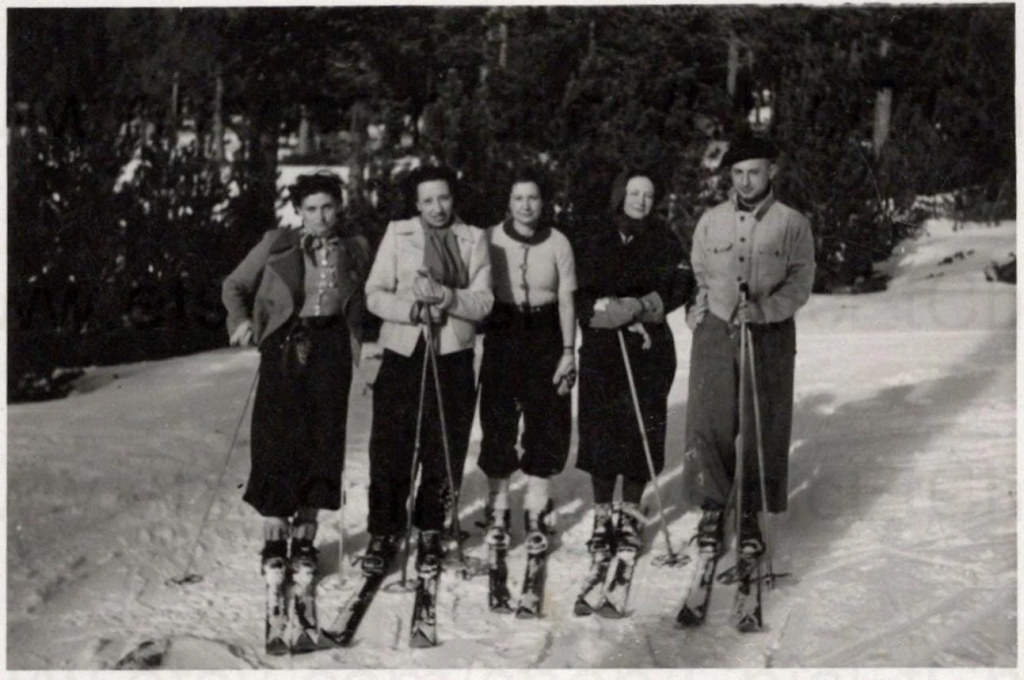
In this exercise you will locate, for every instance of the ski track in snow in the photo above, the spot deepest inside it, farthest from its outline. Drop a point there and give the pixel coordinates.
(901, 531)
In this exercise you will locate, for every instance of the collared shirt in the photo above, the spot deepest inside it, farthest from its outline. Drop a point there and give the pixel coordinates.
(771, 249)
(321, 276)
(530, 272)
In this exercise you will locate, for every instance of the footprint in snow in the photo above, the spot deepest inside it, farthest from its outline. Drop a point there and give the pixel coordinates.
(185, 653)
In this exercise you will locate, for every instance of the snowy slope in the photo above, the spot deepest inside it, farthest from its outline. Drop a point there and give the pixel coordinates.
(901, 534)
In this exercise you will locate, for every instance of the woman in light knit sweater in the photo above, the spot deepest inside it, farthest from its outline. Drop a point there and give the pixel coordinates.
(529, 365)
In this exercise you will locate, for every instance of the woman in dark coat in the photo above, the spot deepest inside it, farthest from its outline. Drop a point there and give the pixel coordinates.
(299, 296)
(629, 279)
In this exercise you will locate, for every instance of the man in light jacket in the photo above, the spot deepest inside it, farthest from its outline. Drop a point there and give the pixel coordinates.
(753, 259)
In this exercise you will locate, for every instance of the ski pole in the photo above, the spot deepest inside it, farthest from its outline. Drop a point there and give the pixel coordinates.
(186, 575)
(672, 558)
(760, 453)
(341, 533)
(415, 461)
(464, 569)
(740, 437)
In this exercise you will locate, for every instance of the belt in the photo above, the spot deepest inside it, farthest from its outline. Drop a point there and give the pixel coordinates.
(317, 323)
(526, 309)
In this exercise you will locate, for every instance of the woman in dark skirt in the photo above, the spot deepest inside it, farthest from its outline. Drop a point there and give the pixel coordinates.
(299, 296)
(629, 279)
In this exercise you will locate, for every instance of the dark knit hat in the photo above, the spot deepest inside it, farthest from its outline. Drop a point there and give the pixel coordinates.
(747, 148)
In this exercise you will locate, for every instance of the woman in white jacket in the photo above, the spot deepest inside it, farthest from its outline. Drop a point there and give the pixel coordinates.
(430, 269)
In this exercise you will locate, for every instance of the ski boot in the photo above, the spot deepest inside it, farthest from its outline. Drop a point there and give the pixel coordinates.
(751, 542)
(429, 549)
(303, 561)
(302, 606)
(711, 531)
(274, 555)
(602, 538)
(429, 555)
(538, 528)
(497, 524)
(601, 547)
(629, 527)
(378, 555)
(303, 555)
(497, 540)
(274, 568)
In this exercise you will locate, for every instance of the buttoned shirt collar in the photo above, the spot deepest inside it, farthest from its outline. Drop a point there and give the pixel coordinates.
(762, 207)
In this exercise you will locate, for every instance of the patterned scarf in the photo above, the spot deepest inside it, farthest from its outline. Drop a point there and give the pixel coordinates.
(441, 258)
(310, 242)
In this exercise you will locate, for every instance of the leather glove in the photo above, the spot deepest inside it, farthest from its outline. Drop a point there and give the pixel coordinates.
(749, 312)
(653, 308)
(424, 313)
(617, 312)
(639, 329)
(565, 374)
(242, 337)
(437, 315)
(426, 289)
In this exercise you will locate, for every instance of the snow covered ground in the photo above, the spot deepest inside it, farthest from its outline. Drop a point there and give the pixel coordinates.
(901, 534)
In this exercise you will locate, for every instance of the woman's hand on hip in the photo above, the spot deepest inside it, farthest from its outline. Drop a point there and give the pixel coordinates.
(242, 337)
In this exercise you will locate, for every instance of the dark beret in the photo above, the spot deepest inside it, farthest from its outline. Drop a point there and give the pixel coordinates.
(748, 148)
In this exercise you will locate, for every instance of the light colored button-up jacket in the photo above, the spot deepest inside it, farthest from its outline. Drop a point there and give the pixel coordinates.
(771, 249)
(389, 292)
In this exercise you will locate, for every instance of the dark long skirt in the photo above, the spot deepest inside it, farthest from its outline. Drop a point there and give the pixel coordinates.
(712, 413)
(298, 423)
(610, 442)
(393, 438)
(521, 353)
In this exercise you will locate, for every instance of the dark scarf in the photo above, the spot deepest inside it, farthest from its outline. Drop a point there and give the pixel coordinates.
(441, 257)
(629, 227)
(540, 234)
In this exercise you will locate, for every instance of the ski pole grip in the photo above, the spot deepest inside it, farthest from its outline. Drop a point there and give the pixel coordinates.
(744, 290)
